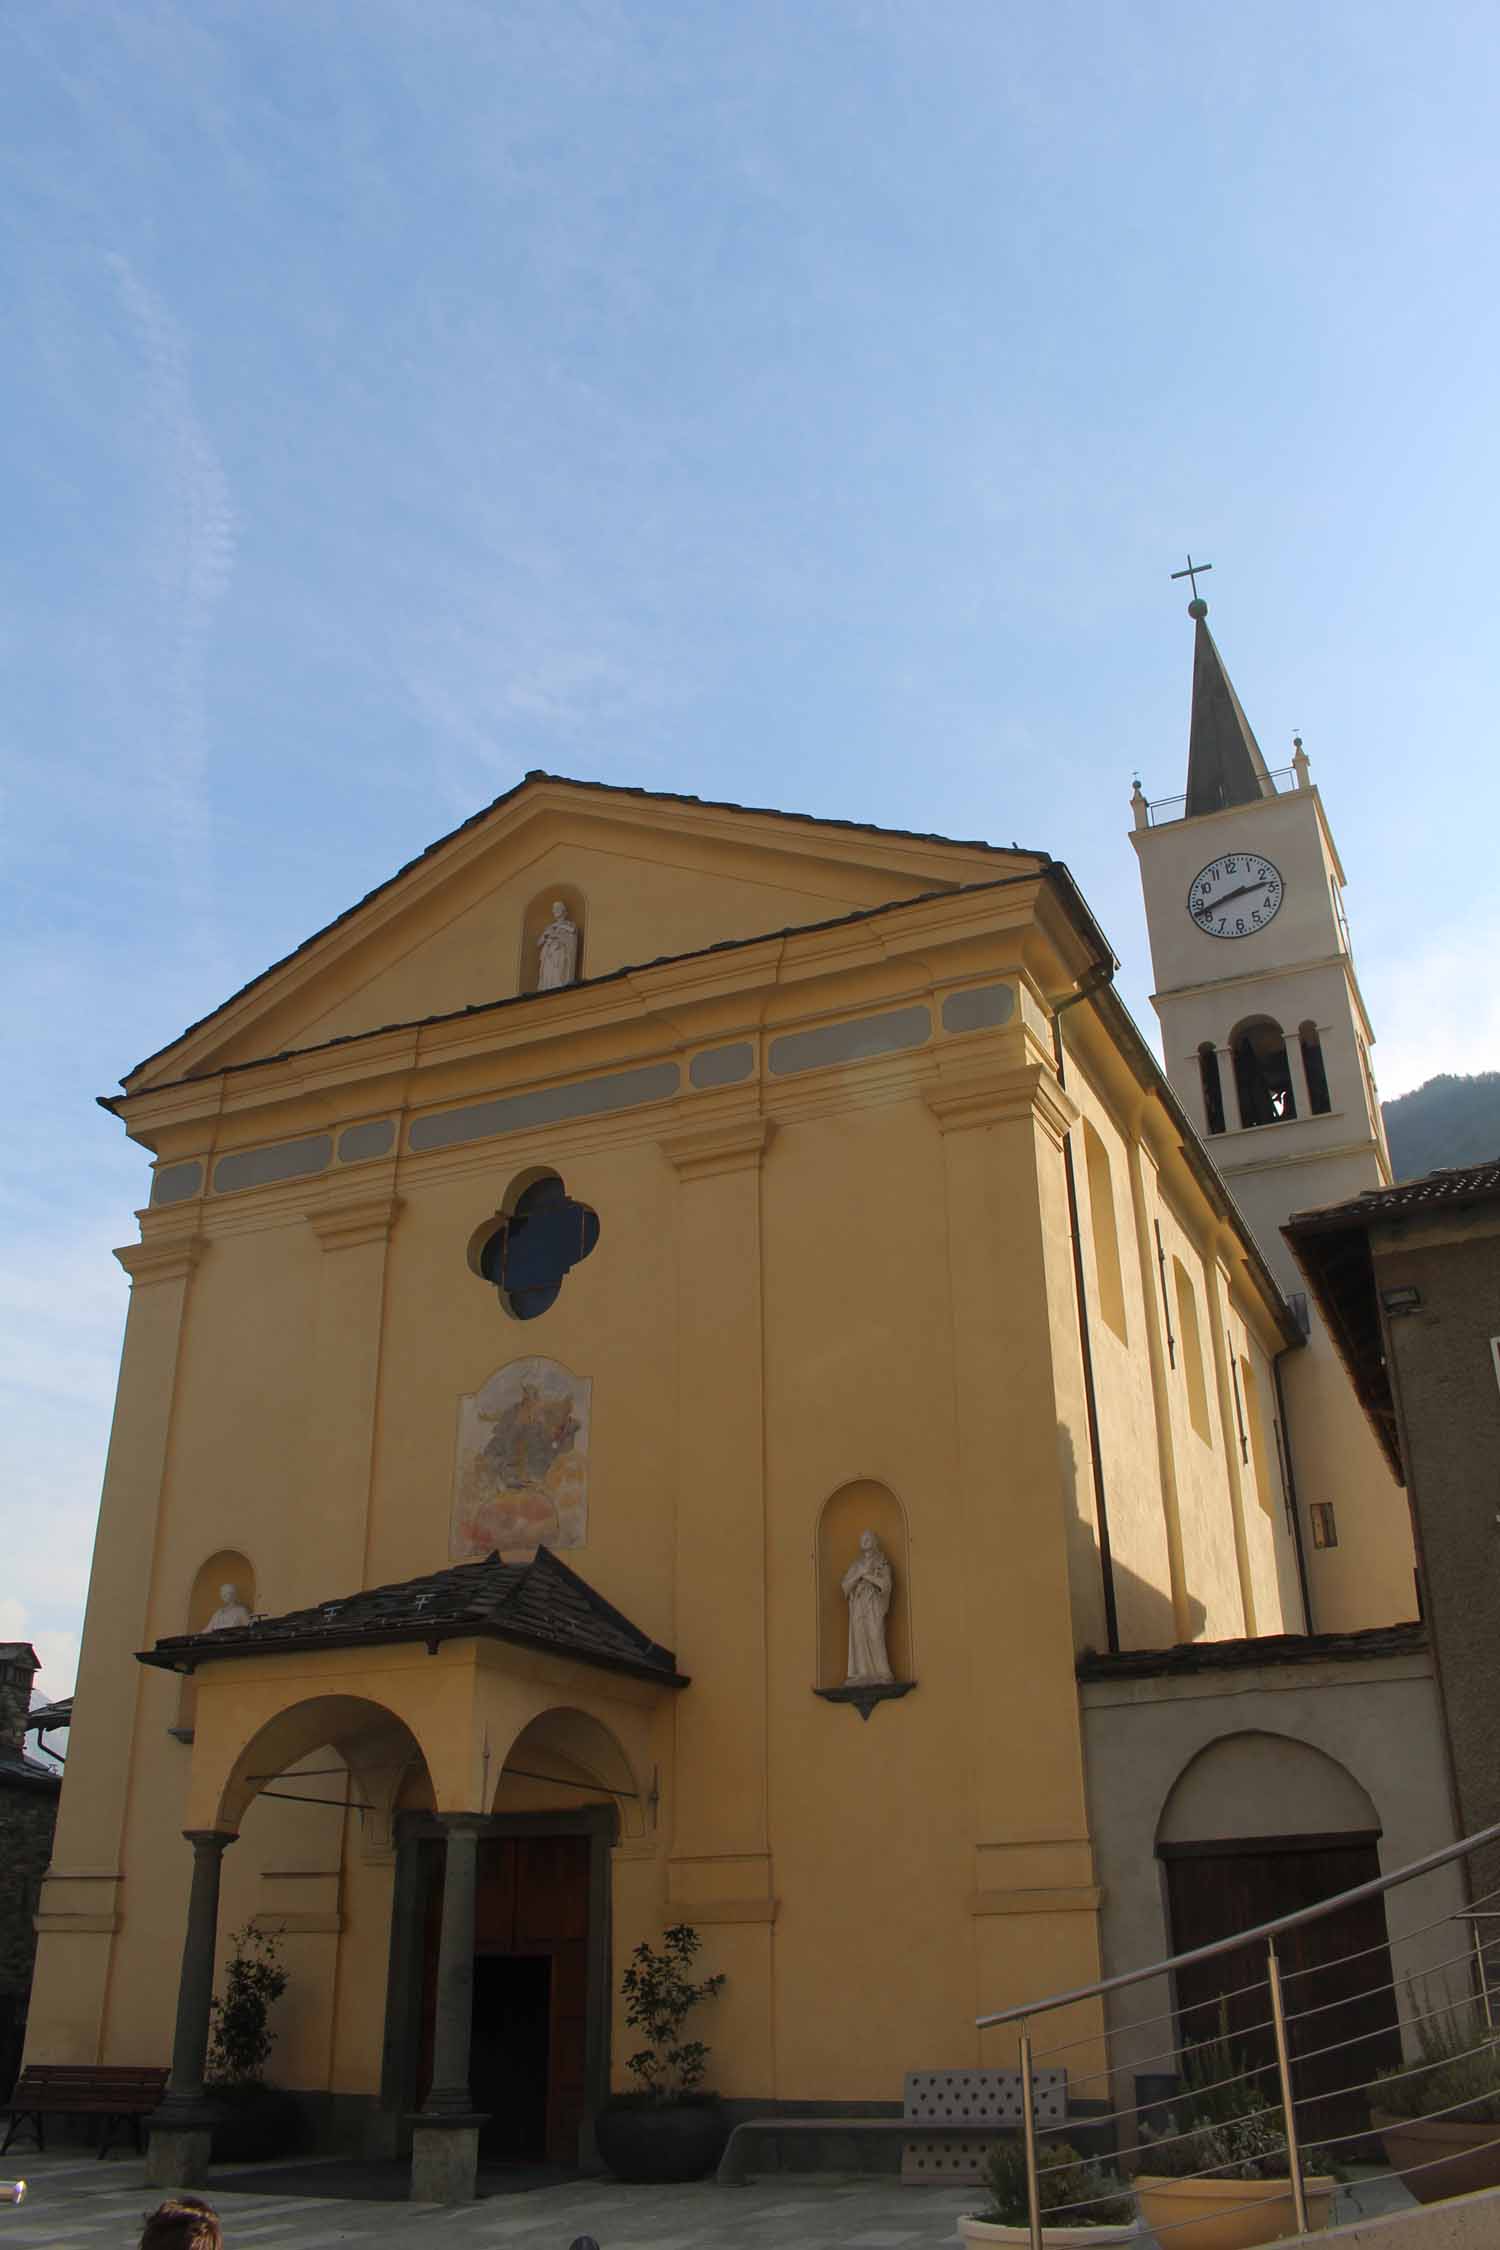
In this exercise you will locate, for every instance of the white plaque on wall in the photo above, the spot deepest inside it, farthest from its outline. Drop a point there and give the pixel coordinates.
(521, 1478)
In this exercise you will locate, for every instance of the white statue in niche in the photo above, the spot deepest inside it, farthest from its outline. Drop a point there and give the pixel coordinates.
(557, 951)
(867, 1589)
(231, 1613)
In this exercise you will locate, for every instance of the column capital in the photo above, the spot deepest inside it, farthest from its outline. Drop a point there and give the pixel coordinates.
(462, 1823)
(211, 1838)
(999, 1097)
(169, 1258)
(344, 1223)
(726, 1144)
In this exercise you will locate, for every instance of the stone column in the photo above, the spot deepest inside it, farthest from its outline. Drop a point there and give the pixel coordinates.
(1292, 1042)
(181, 2129)
(445, 2138)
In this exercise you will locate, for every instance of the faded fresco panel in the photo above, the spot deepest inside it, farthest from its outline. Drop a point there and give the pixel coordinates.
(521, 1478)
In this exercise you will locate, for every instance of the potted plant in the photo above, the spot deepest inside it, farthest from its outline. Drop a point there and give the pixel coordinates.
(1093, 2207)
(253, 2119)
(667, 2128)
(1440, 2122)
(1218, 2174)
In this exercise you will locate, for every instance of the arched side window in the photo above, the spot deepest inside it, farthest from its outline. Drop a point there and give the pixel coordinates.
(227, 1568)
(1262, 1074)
(540, 914)
(1213, 1091)
(1111, 1279)
(1312, 1064)
(1250, 1391)
(1192, 1351)
(861, 1506)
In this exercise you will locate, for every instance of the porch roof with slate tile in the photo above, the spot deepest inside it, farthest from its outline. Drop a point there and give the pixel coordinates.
(539, 1604)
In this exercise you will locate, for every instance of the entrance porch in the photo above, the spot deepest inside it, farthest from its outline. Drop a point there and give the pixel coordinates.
(500, 1730)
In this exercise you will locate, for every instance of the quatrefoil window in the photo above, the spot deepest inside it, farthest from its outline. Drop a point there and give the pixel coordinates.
(527, 1256)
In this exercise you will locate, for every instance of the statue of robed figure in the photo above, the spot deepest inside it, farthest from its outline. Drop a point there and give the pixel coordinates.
(867, 1587)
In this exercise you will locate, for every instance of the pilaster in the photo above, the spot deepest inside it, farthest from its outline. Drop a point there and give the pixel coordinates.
(70, 1991)
(1015, 1353)
(720, 1853)
(353, 1232)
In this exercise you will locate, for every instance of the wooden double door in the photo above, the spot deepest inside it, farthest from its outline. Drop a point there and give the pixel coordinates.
(528, 2046)
(1336, 1972)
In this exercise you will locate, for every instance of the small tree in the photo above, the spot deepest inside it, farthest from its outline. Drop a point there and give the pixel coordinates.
(659, 1996)
(240, 2041)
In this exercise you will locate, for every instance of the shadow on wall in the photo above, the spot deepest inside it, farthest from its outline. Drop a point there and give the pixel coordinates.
(1143, 1611)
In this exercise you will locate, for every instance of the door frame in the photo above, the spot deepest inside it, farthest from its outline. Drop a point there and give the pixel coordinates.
(403, 2005)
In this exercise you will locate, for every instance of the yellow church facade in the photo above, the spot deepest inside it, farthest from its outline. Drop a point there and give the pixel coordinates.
(819, 1186)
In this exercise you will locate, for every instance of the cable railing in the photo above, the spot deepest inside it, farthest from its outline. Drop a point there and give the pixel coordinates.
(1243, 2132)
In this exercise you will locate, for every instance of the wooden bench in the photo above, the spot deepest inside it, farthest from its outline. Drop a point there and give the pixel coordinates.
(105, 2090)
(948, 2119)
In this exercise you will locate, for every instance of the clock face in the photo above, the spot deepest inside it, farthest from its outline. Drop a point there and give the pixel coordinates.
(1235, 896)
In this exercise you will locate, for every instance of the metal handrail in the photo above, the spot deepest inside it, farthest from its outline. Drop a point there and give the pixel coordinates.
(1375, 1888)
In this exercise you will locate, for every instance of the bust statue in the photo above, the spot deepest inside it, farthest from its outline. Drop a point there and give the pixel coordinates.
(231, 1613)
(557, 951)
(867, 1589)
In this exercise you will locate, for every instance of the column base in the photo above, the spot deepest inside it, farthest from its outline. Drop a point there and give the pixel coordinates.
(177, 2155)
(445, 2159)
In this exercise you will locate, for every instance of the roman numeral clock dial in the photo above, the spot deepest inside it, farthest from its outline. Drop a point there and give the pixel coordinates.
(1236, 895)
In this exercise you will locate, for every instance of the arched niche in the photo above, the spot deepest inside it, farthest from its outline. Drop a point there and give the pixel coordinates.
(228, 1567)
(1262, 1074)
(863, 1505)
(535, 919)
(1242, 1785)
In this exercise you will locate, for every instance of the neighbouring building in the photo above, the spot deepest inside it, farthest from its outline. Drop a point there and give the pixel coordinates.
(551, 1271)
(28, 1809)
(1408, 1280)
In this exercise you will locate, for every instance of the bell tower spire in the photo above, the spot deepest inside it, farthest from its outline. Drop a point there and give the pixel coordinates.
(1266, 1041)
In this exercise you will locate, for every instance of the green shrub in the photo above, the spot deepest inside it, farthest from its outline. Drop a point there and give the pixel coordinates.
(1063, 2178)
(659, 1997)
(240, 2040)
(1213, 2126)
(1465, 2084)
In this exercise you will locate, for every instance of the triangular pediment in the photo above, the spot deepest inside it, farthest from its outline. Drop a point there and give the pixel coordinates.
(646, 877)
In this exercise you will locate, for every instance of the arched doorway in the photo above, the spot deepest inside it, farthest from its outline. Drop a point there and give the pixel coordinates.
(1223, 1873)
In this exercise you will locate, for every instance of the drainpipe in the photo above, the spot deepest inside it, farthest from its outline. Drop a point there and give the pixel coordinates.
(1088, 985)
(1289, 1471)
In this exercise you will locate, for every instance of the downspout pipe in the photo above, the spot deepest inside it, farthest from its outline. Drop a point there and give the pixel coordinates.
(1090, 982)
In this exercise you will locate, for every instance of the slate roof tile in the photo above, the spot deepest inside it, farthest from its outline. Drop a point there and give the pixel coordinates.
(538, 1604)
(1265, 1648)
(1448, 1188)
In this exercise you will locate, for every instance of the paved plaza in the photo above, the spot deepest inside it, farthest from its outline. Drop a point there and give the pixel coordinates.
(78, 2203)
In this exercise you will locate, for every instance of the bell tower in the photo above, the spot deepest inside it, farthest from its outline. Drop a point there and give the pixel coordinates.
(1266, 1040)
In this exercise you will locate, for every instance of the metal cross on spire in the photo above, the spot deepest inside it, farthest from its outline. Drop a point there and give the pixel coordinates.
(1193, 572)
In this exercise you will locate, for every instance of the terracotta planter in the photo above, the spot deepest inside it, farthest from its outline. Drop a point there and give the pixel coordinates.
(1462, 2158)
(1229, 2214)
(1053, 2238)
(648, 2142)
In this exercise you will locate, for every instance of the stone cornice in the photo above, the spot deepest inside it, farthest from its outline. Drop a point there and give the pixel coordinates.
(999, 1097)
(344, 1223)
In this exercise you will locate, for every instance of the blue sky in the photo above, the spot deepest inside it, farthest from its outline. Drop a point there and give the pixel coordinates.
(802, 404)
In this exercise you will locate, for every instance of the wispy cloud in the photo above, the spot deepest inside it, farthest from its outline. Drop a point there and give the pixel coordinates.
(192, 548)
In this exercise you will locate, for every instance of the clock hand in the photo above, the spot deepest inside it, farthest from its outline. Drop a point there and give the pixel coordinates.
(1243, 892)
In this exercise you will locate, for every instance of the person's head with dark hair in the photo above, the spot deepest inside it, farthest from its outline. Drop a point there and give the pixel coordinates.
(183, 2222)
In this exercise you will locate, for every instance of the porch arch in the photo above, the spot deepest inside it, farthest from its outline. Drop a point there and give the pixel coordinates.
(372, 1739)
(570, 1754)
